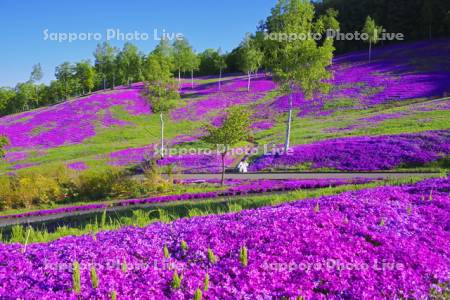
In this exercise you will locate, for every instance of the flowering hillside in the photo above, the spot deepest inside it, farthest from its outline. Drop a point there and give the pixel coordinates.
(364, 153)
(392, 95)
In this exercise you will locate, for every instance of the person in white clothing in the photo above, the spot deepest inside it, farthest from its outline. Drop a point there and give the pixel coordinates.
(242, 167)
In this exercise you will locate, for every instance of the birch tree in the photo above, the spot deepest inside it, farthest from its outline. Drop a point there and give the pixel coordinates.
(250, 59)
(181, 56)
(162, 89)
(373, 32)
(299, 65)
(220, 64)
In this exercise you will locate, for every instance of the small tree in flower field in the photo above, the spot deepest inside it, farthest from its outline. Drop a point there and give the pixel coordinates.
(219, 64)
(162, 90)
(234, 129)
(250, 58)
(373, 32)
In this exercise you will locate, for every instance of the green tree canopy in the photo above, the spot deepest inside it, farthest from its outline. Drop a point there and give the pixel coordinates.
(300, 63)
(85, 73)
(7, 96)
(162, 89)
(182, 54)
(129, 61)
(250, 58)
(105, 63)
(235, 128)
(64, 73)
(219, 63)
(373, 32)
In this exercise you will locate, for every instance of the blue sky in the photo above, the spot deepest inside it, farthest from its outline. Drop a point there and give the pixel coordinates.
(206, 24)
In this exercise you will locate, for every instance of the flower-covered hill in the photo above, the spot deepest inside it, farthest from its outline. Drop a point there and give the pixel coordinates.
(70, 122)
(392, 95)
(380, 243)
(367, 153)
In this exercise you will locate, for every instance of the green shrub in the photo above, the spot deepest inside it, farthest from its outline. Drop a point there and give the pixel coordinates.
(176, 281)
(76, 277)
(124, 267)
(94, 278)
(244, 256)
(211, 257)
(198, 295)
(184, 245)
(18, 191)
(206, 283)
(96, 184)
(29, 188)
(153, 181)
(166, 252)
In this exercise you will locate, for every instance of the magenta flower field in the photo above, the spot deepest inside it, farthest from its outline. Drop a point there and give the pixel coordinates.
(346, 246)
(260, 150)
(70, 122)
(349, 154)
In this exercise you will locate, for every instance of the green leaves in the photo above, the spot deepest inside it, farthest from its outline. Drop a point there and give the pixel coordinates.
(106, 62)
(184, 245)
(211, 257)
(244, 256)
(129, 62)
(176, 281)
(372, 30)
(300, 63)
(218, 60)
(206, 283)
(94, 277)
(76, 277)
(250, 56)
(162, 89)
(124, 267)
(166, 252)
(3, 142)
(181, 51)
(198, 295)
(235, 128)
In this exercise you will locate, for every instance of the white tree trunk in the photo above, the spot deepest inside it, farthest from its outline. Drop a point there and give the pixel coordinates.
(223, 165)
(192, 79)
(162, 134)
(288, 124)
(179, 77)
(248, 83)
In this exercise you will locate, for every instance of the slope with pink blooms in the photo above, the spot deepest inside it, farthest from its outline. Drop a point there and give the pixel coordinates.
(392, 95)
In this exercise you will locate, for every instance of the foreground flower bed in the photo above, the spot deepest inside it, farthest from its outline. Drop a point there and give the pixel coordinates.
(351, 154)
(382, 243)
(237, 187)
